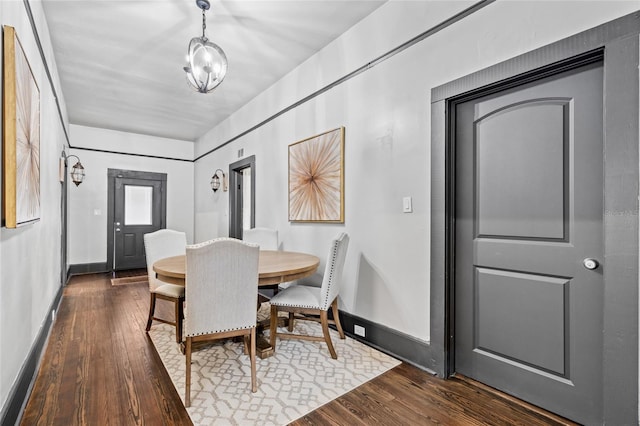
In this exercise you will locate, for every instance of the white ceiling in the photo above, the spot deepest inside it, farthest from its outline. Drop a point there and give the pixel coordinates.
(120, 61)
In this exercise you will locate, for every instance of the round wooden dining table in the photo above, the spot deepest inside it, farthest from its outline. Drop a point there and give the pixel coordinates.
(274, 267)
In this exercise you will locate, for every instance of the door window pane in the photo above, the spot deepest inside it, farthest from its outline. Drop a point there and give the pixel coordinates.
(138, 205)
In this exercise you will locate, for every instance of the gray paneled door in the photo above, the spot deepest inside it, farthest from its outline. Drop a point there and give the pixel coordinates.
(529, 241)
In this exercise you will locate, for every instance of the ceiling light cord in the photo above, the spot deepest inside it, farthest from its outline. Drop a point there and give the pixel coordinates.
(204, 25)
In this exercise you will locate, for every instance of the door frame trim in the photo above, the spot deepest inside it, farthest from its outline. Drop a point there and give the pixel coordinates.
(64, 222)
(112, 174)
(234, 169)
(620, 42)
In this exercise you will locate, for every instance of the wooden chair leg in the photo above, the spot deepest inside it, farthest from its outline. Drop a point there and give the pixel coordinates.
(291, 319)
(336, 317)
(252, 356)
(324, 319)
(152, 307)
(273, 325)
(187, 394)
(245, 340)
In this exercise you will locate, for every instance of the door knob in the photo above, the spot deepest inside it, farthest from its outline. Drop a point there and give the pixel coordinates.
(590, 263)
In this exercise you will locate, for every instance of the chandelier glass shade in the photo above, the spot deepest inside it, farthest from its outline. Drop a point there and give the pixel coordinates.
(206, 61)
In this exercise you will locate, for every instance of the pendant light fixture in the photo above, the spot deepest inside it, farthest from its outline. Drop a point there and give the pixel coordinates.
(206, 61)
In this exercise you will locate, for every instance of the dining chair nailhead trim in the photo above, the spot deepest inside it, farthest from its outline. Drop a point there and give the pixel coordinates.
(333, 266)
(209, 242)
(297, 305)
(204, 333)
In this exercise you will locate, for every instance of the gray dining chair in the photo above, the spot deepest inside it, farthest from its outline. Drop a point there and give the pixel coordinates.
(157, 245)
(305, 302)
(221, 295)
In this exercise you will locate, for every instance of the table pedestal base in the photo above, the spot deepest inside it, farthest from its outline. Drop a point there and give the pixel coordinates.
(263, 346)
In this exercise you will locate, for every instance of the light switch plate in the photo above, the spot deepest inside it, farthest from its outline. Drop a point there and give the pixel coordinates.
(407, 206)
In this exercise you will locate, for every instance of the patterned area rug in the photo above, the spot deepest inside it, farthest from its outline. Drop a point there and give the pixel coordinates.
(299, 378)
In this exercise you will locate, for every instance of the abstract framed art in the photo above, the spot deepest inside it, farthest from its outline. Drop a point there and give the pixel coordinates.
(20, 137)
(316, 178)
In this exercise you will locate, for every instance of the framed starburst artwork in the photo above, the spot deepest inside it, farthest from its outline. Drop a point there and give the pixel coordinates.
(21, 136)
(316, 178)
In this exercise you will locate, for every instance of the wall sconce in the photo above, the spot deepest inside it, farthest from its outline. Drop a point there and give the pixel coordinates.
(215, 181)
(77, 171)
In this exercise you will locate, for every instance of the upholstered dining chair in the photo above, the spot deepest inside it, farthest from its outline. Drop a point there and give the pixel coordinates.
(221, 295)
(266, 238)
(303, 300)
(157, 245)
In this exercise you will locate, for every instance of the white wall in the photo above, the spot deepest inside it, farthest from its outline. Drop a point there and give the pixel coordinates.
(211, 208)
(133, 143)
(30, 256)
(88, 202)
(386, 113)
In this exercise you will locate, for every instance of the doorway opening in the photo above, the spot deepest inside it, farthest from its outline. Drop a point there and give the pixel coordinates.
(242, 196)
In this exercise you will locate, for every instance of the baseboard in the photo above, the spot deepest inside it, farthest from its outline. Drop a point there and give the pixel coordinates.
(397, 344)
(88, 268)
(19, 393)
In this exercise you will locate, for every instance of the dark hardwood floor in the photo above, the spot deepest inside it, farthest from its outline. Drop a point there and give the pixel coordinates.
(100, 368)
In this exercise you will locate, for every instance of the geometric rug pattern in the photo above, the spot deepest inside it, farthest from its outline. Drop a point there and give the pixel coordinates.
(300, 377)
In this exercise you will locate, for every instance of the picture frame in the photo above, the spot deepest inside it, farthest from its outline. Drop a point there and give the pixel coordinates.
(20, 136)
(316, 178)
